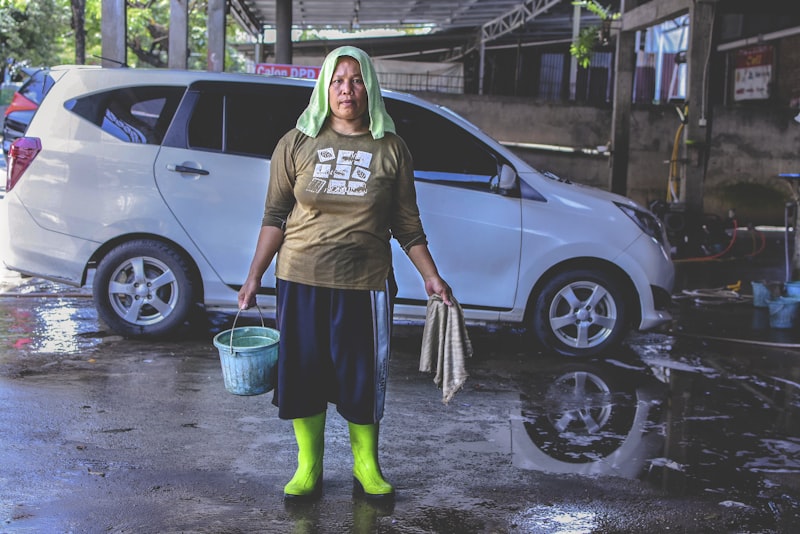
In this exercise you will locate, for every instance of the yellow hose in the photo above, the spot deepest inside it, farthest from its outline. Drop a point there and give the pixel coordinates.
(673, 191)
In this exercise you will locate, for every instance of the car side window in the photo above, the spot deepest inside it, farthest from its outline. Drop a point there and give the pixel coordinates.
(443, 152)
(132, 114)
(205, 126)
(246, 119)
(37, 86)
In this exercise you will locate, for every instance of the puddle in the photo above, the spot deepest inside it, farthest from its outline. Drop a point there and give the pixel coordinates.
(63, 326)
(556, 519)
(719, 425)
(685, 416)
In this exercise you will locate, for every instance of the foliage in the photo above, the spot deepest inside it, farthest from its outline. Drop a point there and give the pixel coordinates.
(31, 31)
(592, 36)
(38, 32)
(148, 35)
(581, 48)
(594, 7)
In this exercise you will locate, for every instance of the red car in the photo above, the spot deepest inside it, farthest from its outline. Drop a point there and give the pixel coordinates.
(24, 104)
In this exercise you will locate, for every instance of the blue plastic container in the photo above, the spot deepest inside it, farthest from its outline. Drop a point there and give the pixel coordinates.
(249, 358)
(760, 294)
(783, 312)
(792, 289)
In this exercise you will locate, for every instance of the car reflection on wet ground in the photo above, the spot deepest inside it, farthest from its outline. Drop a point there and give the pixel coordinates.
(685, 411)
(687, 415)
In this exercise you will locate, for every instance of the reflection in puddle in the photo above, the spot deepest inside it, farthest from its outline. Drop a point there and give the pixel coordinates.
(56, 325)
(589, 418)
(715, 427)
(57, 330)
(556, 519)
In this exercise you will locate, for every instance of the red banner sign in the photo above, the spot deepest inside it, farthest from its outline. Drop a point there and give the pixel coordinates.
(291, 71)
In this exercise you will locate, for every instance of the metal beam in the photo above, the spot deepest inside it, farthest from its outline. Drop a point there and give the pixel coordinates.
(245, 17)
(653, 13)
(517, 17)
(506, 23)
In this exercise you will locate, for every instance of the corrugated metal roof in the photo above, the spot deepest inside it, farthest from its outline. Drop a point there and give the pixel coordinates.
(547, 18)
(364, 14)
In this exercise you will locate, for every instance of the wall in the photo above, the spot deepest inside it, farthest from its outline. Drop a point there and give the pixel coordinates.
(749, 147)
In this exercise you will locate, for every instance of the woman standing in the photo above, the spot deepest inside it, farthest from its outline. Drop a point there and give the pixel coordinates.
(341, 185)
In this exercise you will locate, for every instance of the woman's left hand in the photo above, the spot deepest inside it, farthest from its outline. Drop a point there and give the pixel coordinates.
(435, 285)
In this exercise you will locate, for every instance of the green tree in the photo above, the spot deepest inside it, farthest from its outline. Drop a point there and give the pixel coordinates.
(148, 35)
(592, 36)
(51, 32)
(148, 32)
(31, 31)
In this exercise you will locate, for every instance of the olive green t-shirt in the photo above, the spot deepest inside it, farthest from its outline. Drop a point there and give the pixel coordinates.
(339, 199)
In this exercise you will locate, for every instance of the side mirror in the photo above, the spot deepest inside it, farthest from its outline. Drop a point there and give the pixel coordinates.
(505, 181)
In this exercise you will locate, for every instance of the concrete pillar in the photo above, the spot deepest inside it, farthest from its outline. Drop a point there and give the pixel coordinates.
(481, 64)
(258, 53)
(114, 33)
(283, 32)
(696, 132)
(178, 34)
(573, 61)
(216, 35)
(621, 114)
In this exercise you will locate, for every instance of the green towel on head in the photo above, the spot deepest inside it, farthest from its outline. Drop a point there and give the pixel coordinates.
(312, 119)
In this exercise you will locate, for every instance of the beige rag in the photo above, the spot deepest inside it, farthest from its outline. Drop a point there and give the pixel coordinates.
(445, 341)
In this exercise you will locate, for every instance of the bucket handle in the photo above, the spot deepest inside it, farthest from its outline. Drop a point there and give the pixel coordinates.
(237, 316)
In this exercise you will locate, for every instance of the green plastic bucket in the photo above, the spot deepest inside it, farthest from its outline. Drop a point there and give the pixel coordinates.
(249, 358)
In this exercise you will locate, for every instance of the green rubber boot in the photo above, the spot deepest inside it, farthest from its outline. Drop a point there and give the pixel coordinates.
(307, 480)
(368, 479)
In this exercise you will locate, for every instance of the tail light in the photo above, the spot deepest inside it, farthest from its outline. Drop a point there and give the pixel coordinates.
(21, 103)
(20, 156)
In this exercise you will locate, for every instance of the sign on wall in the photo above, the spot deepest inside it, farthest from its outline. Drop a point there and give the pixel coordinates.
(293, 71)
(753, 74)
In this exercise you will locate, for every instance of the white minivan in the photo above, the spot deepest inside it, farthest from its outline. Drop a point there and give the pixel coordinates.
(150, 185)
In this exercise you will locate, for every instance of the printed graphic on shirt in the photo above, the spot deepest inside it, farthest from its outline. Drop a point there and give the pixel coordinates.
(316, 185)
(326, 154)
(342, 172)
(349, 176)
(360, 173)
(337, 187)
(322, 170)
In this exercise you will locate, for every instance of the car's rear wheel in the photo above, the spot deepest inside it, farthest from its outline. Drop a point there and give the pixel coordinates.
(580, 313)
(143, 288)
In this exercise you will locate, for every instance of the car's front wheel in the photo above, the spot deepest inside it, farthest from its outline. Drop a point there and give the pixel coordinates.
(143, 288)
(580, 313)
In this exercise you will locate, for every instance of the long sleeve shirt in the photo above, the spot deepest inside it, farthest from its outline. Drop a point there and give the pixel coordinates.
(340, 199)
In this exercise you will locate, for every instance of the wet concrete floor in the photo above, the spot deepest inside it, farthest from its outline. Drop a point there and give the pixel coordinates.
(680, 430)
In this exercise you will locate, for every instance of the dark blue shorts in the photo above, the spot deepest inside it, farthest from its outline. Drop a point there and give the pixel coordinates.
(334, 347)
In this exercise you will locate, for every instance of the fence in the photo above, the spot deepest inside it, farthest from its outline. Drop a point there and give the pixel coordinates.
(424, 81)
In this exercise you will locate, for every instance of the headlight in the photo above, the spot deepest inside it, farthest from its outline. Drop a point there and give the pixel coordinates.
(648, 222)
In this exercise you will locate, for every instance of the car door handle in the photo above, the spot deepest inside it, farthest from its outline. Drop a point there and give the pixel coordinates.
(187, 170)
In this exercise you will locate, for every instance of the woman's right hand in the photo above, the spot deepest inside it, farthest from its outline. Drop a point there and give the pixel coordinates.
(269, 241)
(247, 295)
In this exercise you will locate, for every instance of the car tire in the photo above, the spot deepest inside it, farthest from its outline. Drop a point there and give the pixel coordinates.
(143, 288)
(580, 313)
